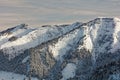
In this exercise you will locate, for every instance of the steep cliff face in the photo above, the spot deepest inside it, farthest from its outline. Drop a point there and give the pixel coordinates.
(81, 51)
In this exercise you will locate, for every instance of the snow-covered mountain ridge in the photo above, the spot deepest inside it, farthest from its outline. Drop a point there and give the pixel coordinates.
(32, 38)
(81, 51)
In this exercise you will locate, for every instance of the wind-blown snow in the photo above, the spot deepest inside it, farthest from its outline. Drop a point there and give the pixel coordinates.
(12, 76)
(69, 71)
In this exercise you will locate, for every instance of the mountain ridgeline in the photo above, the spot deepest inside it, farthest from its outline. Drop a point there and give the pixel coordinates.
(78, 51)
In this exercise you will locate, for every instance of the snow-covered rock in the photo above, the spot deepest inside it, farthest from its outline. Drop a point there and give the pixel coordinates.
(69, 71)
(27, 39)
(81, 51)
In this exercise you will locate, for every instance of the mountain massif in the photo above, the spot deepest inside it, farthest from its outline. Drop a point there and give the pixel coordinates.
(78, 51)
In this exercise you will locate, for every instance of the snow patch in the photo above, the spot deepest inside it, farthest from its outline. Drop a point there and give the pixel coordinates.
(13, 76)
(25, 59)
(69, 71)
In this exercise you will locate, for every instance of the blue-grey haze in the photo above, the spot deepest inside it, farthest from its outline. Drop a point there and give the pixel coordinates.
(41, 12)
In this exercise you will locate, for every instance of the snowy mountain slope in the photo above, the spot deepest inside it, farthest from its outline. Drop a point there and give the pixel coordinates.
(34, 38)
(54, 50)
(17, 32)
(66, 43)
(88, 51)
(97, 37)
(106, 37)
(61, 48)
(84, 46)
(97, 49)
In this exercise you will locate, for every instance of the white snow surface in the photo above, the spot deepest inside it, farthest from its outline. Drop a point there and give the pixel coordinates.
(33, 38)
(100, 30)
(13, 76)
(116, 41)
(17, 32)
(69, 71)
(66, 43)
(93, 35)
(28, 39)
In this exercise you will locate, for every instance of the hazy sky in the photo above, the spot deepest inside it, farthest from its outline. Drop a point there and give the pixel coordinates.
(40, 12)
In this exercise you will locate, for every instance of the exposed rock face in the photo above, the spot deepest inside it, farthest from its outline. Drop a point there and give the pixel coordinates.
(89, 51)
(14, 65)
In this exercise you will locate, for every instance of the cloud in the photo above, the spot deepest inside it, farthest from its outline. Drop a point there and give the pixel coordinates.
(39, 12)
(15, 3)
(115, 0)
